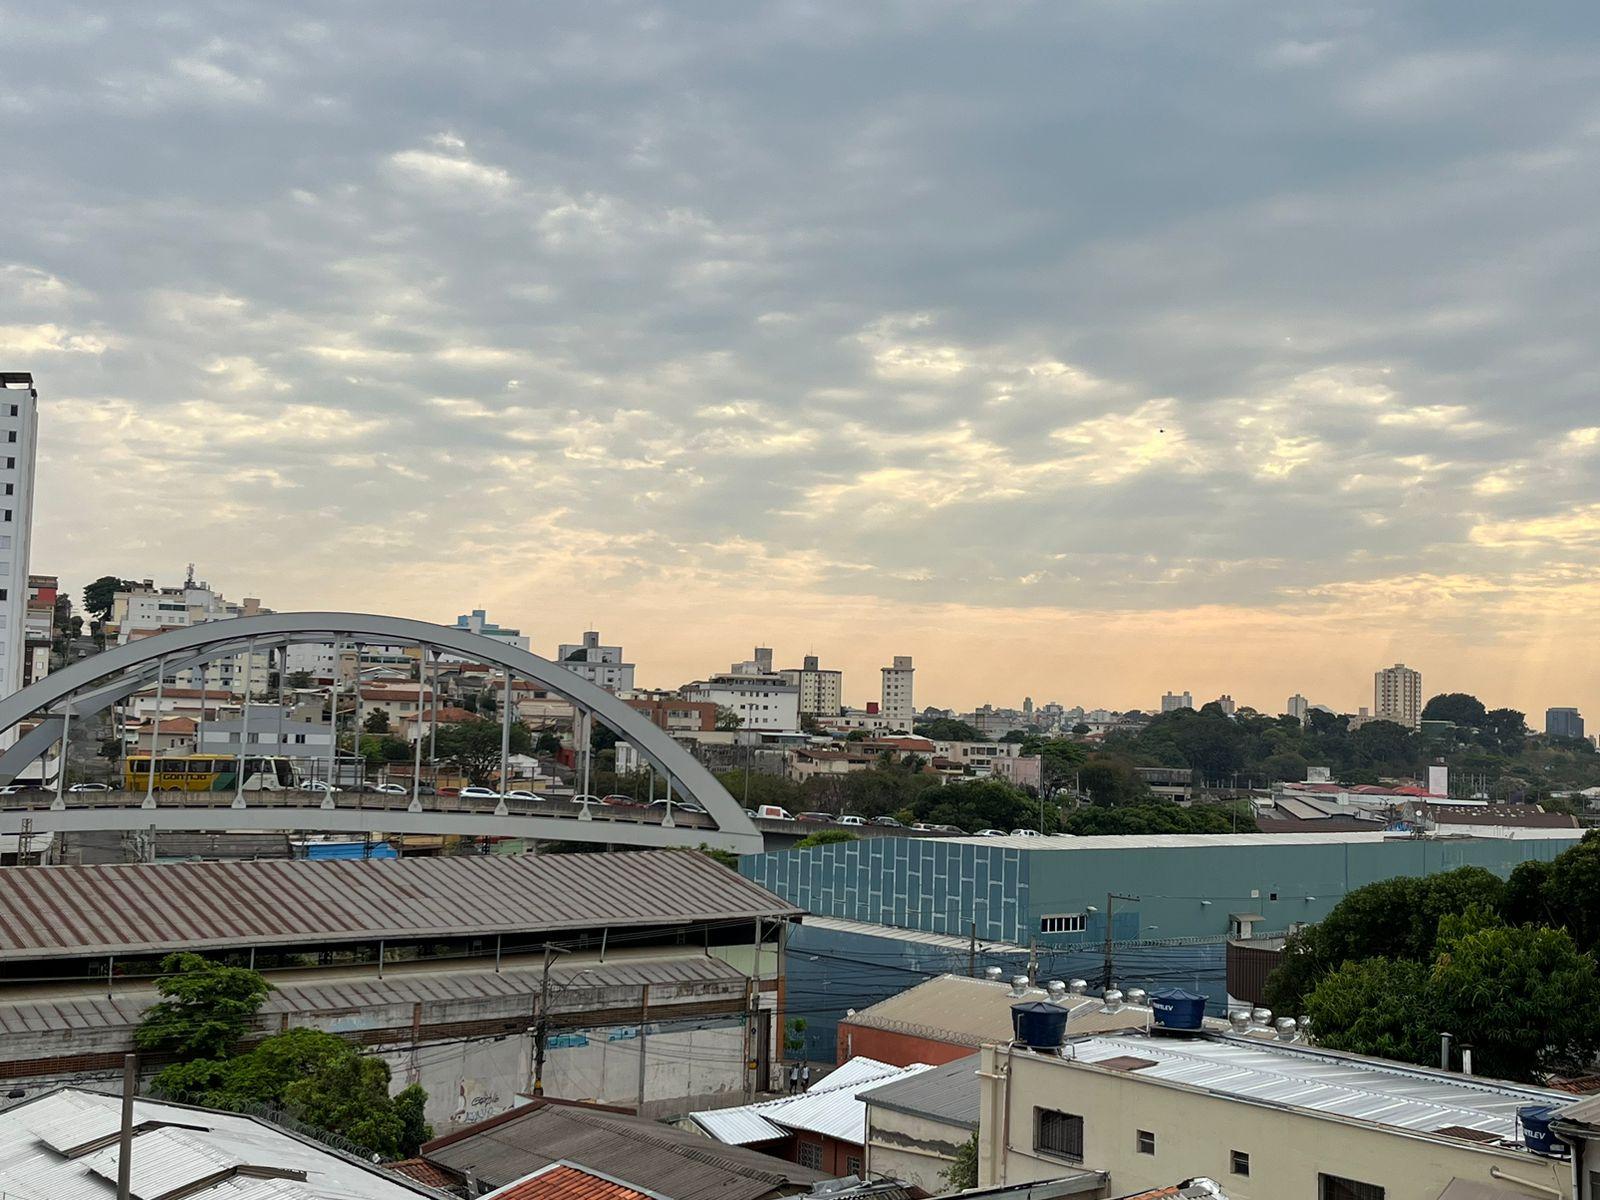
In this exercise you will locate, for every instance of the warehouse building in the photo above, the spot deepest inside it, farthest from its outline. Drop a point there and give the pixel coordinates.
(436, 964)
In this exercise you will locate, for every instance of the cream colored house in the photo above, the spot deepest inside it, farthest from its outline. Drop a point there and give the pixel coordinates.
(1266, 1120)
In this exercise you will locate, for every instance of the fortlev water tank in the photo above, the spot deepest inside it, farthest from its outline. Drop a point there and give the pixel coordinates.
(1536, 1135)
(1038, 1024)
(1176, 1009)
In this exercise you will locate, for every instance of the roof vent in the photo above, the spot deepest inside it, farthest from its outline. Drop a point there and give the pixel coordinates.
(1113, 999)
(1057, 990)
(1261, 1016)
(1239, 1018)
(1137, 996)
(1019, 984)
(993, 973)
(1078, 987)
(1286, 1029)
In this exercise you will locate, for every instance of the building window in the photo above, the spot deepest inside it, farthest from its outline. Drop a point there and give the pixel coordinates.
(1146, 1141)
(11, 435)
(810, 1155)
(1332, 1187)
(1058, 1133)
(853, 1165)
(1238, 1162)
(1062, 923)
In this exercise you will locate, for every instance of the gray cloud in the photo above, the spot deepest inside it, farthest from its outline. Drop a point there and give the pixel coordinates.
(1091, 307)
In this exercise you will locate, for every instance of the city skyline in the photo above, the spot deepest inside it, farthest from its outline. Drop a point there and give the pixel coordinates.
(1139, 353)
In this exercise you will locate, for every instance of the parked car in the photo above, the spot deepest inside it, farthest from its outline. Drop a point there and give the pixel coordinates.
(886, 822)
(955, 829)
(319, 785)
(90, 787)
(618, 800)
(848, 819)
(389, 789)
(1026, 833)
(688, 806)
(586, 798)
(523, 794)
(11, 789)
(922, 827)
(750, 812)
(774, 812)
(478, 793)
(990, 833)
(816, 818)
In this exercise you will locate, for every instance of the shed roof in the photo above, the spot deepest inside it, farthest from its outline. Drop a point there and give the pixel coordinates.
(122, 909)
(949, 1094)
(828, 1107)
(680, 1164)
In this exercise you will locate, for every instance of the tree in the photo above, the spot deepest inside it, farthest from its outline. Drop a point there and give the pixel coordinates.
(1080, 729)
(1456, 707)
(825, 837)
(982, 804)
(205, 1007)
(1568, 891)
(727, 719)
(1375, 1006)
(947, 729)
(299, 680)
(1161, 817)
(602, 737)
(962, 1172)
(377, 721)
(547, 745)
(473, 747)
(100, 596)
(1109, 780)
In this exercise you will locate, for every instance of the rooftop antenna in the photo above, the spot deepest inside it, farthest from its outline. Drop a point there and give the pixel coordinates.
(188, 580)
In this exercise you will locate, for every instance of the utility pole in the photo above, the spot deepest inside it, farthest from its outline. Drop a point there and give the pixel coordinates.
(972, 953)
(130, 1086)
(541, 1027)
(1111, 899)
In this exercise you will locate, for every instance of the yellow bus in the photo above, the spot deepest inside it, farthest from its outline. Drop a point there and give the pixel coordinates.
(206, 773)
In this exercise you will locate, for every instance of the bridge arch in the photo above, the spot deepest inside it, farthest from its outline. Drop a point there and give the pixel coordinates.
(95, 683)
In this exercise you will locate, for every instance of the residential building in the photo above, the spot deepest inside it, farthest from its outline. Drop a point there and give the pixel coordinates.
(1397, 696)
(19, 424)
(477, 621)
(200, 704)
(899, 709)
(396, 698)
(1172, 701)
(63, 1143)
(675, 714)
(1269, 1119)
(1298, 707)
(408, 728)
(43, 591)
(1021, 770)
(268, 732)
(1226, 704)
(669, 1162)
(762, 698)
(917, 1125)
(821, 691)
(600, 665)
(823, 1127)
(952, 1016)
(1563, 723)
(146, 610)
(175, 735)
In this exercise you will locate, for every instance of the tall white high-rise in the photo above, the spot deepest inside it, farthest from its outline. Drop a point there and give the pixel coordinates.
(19, 421)
(898, 709)
(1298, 707)
(821, 690)
(1397, 695)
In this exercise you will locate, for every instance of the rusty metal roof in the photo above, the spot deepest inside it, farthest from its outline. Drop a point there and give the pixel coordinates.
(125, 909)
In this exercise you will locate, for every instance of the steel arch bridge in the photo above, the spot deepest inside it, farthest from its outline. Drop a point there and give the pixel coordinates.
(94, 684)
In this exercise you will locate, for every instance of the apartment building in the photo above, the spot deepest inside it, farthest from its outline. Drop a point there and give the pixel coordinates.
(1397, 696)
(763, 699)
(899, 709)
(821, 691)
(39, 629)
(19, 425)
(477, 621)
(1563, 723)
(1173, 701)
(145, 610)
(601, 665)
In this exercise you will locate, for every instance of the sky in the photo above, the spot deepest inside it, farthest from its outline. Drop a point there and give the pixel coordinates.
(1081, 350)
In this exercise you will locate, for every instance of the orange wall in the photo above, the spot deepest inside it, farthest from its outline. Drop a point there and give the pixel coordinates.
(897, 1049)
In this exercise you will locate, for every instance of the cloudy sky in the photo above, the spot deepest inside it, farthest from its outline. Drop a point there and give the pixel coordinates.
(1082, 350)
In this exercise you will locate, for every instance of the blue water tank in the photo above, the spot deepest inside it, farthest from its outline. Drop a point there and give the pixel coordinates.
(1536, 1135)
(1038, 1024)
(1176, 1009)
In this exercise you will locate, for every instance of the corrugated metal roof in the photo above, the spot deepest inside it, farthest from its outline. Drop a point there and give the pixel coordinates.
(1320, 1081)
(830, 1107)
(52, 1014)
(918, 936)
(738, 1126)
(680, 1164)
(1164, 841)
(972, 1012)
(950, 1094)
(168, 1158)
(150, 908)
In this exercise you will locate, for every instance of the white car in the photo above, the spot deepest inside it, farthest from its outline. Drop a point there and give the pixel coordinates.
(390, 789)
(90, 787)
(524, 794)
(479, 793)
(1026, 833)
(990, 833)
(849, 820)
(586, 799)
(319, 785)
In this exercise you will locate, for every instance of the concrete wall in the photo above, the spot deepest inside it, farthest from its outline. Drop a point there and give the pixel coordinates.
(1196, 1132)
(914, 1149)
(688, 1065)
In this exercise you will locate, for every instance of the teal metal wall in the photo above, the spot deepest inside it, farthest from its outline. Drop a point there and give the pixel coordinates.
(1185, 891)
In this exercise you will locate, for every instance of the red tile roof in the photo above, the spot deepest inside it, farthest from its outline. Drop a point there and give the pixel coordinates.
(564, 1181)
(420, 1170)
